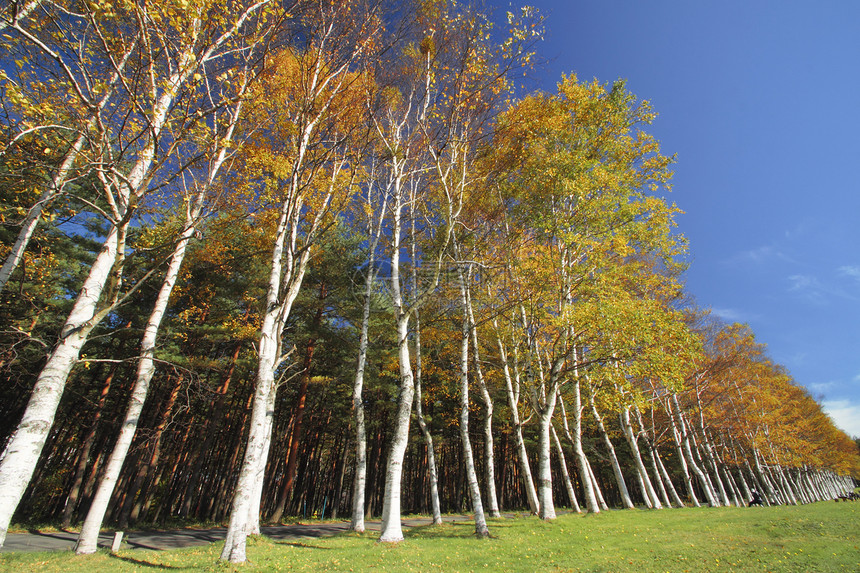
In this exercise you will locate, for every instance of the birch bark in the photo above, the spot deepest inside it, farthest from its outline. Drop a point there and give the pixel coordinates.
(88, 538)
(512, 385)
(481, 529)
(575, 438)
(360, 476)
(613, 459)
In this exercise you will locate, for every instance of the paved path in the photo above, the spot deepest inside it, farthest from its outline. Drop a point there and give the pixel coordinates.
(172, 539)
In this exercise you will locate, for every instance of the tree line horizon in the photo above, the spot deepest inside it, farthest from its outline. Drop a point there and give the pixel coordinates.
(270, 258)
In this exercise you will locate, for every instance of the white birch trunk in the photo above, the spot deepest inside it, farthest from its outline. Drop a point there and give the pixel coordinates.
(544, 489)
(24, 448)
(489, 451)
(568, 484)
(747, 492)
(688, 452)
(360, 477)
(391, 528)
(682, 458)
(435, 506)
(575, 438)
(512, 386)
(481, 529)
(616, 467)
(254, 510)
(285, 280)
(88, 538)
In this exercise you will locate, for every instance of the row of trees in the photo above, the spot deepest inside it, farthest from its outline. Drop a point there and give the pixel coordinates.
(248, 243)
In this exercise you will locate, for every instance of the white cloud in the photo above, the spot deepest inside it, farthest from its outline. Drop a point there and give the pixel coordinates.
(845, 414)
(728, 314)
(852, 271)
(816, 292)
(821, 387)
(760, 255)
(808, 288)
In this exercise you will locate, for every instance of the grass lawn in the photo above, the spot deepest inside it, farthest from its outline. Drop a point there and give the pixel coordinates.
(819, 537)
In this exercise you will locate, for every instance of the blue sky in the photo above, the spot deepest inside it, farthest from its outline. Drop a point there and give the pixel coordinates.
(760, 100)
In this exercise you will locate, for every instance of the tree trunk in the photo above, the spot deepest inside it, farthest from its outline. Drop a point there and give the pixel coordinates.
(575, 438)
(489, 451)
(565, 474)
(24, 448)
(616, 467)
(425, 430)
(648, 487)
(391, 530)
(474, 487)
(512, 384)
(688, 452)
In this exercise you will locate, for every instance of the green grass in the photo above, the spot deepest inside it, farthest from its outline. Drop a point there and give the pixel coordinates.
(818, 537)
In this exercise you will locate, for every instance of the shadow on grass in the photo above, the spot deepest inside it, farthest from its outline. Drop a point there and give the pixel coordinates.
(300, 545)
(147, 564)
(448, 531)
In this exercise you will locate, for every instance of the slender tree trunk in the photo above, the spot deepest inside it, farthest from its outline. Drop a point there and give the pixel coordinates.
(645, 480)
(547, 509)
(391, 526)
(682, 458)
(360, 472)
(489, 451)
(688, 452)
(425, 430)
(391, 529)
(545, 413)
(283, 290)
(575, 438)
(616, 467)
(481, 529)
(568, 484)
(24, 448)
(512, 384)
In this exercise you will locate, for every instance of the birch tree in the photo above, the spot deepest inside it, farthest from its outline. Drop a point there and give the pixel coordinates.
(316, 123)
(198, 195)
(129, 151)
